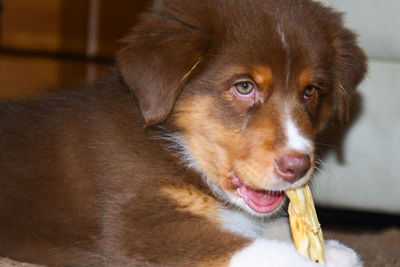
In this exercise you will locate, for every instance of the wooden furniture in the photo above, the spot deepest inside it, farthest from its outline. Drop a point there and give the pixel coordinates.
(52, 44)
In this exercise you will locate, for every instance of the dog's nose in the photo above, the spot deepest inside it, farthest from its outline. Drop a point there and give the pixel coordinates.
(292, 165)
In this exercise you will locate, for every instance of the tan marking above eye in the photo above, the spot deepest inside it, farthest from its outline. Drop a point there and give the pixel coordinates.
(262, 76)
(306, 78)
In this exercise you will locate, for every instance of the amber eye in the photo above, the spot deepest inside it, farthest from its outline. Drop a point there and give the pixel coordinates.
(309, 91)
(244, 88)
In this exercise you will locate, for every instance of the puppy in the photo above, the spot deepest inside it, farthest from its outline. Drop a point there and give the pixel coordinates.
(181, 157)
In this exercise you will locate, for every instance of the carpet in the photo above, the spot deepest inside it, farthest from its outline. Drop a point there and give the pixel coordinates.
(377, 248)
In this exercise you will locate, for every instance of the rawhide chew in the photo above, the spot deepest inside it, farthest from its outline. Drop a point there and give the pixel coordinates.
(304, 225)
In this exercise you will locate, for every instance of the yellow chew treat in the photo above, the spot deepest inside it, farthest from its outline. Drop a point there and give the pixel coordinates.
(306, 230)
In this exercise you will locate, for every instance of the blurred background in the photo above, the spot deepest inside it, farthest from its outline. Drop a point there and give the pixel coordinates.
(52, 44)
(363, 173)
(56, 44)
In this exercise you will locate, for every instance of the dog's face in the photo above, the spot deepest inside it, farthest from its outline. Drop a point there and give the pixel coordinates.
(247, 85)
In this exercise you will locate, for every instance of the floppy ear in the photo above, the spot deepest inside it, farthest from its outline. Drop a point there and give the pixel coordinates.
(350, 70)
(159, 55)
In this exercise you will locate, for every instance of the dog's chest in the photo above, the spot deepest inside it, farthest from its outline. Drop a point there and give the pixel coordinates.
(242, 224)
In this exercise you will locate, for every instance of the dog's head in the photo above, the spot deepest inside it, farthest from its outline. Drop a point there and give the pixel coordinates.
(247, 84)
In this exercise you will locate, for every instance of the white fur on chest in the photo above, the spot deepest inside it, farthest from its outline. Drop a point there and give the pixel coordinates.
(245, 225)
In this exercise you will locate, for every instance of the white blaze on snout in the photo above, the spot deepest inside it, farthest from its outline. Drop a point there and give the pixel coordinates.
(295, 140)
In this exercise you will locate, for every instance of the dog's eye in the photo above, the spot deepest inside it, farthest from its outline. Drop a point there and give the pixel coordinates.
(309, 91)
(244, 88)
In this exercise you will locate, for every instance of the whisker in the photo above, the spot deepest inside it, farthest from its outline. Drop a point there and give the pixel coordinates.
(328, 145)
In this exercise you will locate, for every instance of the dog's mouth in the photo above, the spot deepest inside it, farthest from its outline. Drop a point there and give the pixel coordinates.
(261, 201)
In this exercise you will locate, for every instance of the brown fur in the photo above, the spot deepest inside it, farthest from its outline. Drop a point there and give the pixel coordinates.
(85, 178)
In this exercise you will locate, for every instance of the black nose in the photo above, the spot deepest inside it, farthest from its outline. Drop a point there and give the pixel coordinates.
(292, 165)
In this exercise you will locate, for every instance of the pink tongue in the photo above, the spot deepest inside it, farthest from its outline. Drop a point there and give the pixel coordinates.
(261, 198)
(261, 201)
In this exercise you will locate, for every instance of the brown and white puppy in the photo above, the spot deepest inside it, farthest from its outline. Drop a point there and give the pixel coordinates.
(182, 156)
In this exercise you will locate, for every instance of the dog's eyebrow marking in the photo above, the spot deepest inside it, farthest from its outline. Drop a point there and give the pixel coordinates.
(306, 78)
(288, 58)
(262, 76)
